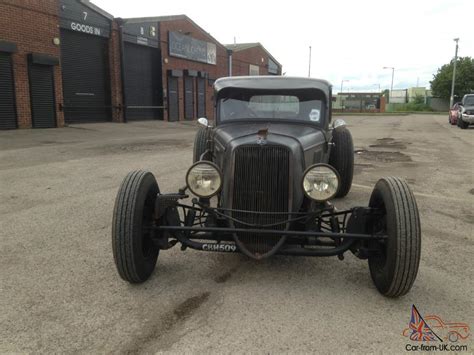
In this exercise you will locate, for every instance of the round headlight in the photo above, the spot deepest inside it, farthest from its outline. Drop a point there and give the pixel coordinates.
(204, 179)
(320, 182)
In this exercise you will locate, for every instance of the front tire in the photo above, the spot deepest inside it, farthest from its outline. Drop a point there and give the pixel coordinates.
(462, 124)
(135, 253)
(200, 144)
(342, 158)
(395, 266)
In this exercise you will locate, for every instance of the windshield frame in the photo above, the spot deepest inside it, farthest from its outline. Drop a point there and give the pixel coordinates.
(318, 95)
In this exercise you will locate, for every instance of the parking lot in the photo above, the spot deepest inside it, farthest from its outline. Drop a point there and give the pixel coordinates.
(60, 292)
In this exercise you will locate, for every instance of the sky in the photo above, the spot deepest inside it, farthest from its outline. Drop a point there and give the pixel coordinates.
(350, 40)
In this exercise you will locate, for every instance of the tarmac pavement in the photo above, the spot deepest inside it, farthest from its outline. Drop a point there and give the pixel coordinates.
(60, 292)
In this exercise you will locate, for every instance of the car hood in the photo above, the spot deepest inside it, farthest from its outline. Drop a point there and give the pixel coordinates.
(305, 135)
(468, 108)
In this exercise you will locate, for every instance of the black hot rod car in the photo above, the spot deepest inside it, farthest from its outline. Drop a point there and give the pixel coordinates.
(262, 178)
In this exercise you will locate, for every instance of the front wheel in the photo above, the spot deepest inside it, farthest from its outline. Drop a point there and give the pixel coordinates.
(395, 264)
(135, 253)
(342, 158)
(200, 144)
(462, 124)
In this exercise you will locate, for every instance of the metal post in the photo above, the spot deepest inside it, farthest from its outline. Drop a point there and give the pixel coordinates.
(309, 67)
(391, 85)
(340, 92)
(451, 99)
(229, 53)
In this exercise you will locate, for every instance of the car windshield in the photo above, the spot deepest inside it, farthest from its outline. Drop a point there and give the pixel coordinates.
(469, 101)
(306, 105)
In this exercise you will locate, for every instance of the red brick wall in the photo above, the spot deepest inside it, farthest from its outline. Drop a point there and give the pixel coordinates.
(242, 59)
(115, 74)
(32, 25)
(383, 103)
(214, 71)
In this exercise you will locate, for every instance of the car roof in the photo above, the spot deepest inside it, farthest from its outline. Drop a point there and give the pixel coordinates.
(271, 82)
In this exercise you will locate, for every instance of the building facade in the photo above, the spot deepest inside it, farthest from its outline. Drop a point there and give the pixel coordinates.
(188, 60)
(68, 61)
(29, 62)
(357, 101)
(252, 59)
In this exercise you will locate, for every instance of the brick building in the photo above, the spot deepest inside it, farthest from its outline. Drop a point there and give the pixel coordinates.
(27, 33)
(190, 61)
(252, 59)
(68, 61)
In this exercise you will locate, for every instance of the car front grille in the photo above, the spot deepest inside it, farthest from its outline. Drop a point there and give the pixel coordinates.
(261, 184)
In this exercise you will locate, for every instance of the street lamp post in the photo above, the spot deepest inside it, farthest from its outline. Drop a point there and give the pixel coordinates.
(391, 85)
(309, 66)
(340, 92)
(451, 99)
(342, 82)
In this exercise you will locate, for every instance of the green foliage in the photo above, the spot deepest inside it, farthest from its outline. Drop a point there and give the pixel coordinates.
(441, 83)
(419, 100)
(410, 107)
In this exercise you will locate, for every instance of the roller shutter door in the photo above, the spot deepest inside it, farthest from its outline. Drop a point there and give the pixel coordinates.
(201, 97)
(143, 91)
(173, 99)
(188, 98)
(43, 111)
(7, 93)
(86, 82)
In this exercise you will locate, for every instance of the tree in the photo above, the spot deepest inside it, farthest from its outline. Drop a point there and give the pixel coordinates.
(441, 83)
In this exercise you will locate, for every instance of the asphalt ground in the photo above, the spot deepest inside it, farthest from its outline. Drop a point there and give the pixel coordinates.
(60, 292)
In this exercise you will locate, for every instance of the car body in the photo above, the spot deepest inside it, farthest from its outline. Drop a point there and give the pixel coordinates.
(466, 117)
(263, 176)
(448, 331)
(454, 113)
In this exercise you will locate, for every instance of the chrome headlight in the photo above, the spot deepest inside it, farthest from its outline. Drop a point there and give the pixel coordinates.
(204, 179)
(320, 182)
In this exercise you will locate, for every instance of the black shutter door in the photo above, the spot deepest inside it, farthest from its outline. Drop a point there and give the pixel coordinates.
(201, 97)
(86, 81)
(7, 93)
(142, 82)
(43, 112)
(173, 103)
(188, 98)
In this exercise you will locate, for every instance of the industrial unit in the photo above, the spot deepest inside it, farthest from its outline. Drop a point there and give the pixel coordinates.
(68, 61)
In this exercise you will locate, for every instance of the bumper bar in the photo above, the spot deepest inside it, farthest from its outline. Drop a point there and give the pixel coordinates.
(270, 231)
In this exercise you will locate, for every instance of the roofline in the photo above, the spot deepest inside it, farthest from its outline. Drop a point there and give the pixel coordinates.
(251, 45)
(96, 9)
(268, 82)
(172, 18)
(255, 44)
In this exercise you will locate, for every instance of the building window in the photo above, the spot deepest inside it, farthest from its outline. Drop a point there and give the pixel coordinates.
(253, 69)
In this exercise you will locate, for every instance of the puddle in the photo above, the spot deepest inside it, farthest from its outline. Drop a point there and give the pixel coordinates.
(388, 143)
(383, 156)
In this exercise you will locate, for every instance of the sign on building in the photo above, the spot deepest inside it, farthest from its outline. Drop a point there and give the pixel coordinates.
(187, 47)
(272, 67)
